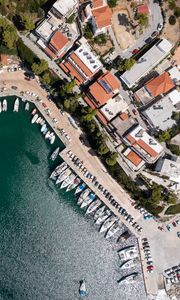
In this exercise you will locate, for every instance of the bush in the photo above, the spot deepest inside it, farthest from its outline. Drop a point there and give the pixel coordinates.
(175, 149)
(173, 209)
(88, 33)
(25, 53)
(71, 19)
(112, 3)
(172, 20)
(177, 12)
(100, 39)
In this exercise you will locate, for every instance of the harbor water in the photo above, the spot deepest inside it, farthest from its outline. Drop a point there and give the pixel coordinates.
(47, 244)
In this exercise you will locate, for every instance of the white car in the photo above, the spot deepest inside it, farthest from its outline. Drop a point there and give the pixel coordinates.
(160, 27)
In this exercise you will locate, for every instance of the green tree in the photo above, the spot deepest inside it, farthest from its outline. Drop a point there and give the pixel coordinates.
(142, 19)
(9, 36)
(39, 68)
(88, 32)
(46, 78)
(172, 20)
(127, 64)
(100, 39)
(175, 149)
(71, 19)
(112, 3)
(27, 21)
(164, 136)
(88, 116)
(103, 149)
(68, 88)
(112, 159)
(175, 115)
(25, 53)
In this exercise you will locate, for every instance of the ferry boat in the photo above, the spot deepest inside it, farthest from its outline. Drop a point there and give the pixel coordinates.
(0, 107)
(93, 206)
(34, 118)
(99, 212)
(60, 168)
(16, 105)
(63, 175)
(75, 183)
(47, 135)
(34, 111)
(130, 278)
(55, 153)
(129, 252)
(82, 289)
(108, 223)
(112, 230)
(130, 263)
(68, 180)
(88, 200)
(43, 128)
(4, 108)
(80, 188)
(83, 195)
(52, 139)
(103, 217)
(27, 106)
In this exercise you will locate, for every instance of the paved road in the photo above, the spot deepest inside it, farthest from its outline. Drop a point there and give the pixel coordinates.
(155, 18)
(52, 65)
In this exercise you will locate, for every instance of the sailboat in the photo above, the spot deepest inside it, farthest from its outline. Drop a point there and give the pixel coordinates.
(16, 105)
(54, 154)
(34, 118)
(4, 105)
(27, 106)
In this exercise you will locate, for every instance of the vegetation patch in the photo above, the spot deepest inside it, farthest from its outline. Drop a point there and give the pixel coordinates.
(173, 209)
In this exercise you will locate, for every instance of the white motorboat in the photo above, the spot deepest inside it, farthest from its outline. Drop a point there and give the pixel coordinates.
(80, 188)
(38, 120)
(45, 131)
(68, 180)
(93, 206)
(82, 289)
(27, 106)
(83, 195)
(130, 263)
(55, 153)
(4, 108)
(52, 139)
(90, 198)
(43, 128)
(128, 253)
(130, 278)
(112, 230)
(108, 223)
(63, 175)
(99, 212)
(47, 135)
(74, 184)
(34, 111)
(0, 107)
(16, 105)
(60, 168)
(103, 217)
(34, 118)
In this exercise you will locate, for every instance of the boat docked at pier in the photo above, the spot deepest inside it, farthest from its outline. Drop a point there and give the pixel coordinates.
(4, 107)
(35, 117)
(93, 206)
(130, 278)
(27, 106)
(34, 111)
(55, 153)
(68, 180)
(108, 223)
(38, 120)
(52, 139)
(60, 168)
(43, 128)
(130, 263)
(82, 289)
(103, 217)
(74, 184)
(63, 175)
(47, 135)
(112, 230)
(99, 212)
(83, 195)
(88, 200)
(16, 105)
(0, 107)
(129, 252)
(80, 188)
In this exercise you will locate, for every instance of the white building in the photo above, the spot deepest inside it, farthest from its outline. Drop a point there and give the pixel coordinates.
(63, 8)
(169, 168)
(146, 63)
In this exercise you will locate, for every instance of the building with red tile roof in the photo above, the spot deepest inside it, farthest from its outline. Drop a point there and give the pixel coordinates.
(102, 17)
(143, 9)
(160, 85)
(143, 144)
(58, 41)
(81, 65)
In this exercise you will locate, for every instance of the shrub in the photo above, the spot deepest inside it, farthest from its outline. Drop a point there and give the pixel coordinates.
(173, 209)
(172, 20)
(175, 149)
(100, 39)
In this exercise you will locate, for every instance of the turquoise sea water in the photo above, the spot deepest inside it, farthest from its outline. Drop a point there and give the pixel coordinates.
(47, 245)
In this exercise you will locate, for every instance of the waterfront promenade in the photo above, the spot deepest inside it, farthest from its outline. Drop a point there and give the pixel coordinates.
(162, 243)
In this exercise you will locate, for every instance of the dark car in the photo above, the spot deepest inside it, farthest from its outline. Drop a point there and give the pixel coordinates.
(148, 40)
(154, 34)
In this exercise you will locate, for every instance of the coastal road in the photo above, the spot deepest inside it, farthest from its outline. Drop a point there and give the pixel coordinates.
(164, 245)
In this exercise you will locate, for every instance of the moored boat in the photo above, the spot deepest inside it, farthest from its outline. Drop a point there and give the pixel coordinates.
(83, 195)
(80, 188)
(60, 168)
(38, 120)
(88, 200)
(68, 180)
(34, 111)
(112, 230)
(128, 253)
(45, 131)
(55, 153)
(27, 106)
(16, 105)
(47, 135)
(130, 278)
(130, 263)
(103, 217)
(108, 223)
(4, 108)
(93, 206)
(52, 139)
(34, 118)
(0, 107)
(63, 175)
(74, 184)
(99, 212)
(43, 128)
(82, 289)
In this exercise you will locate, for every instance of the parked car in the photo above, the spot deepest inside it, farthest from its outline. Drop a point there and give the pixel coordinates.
(135, 51)
(148, 40)
(160, 26)
(178, 234)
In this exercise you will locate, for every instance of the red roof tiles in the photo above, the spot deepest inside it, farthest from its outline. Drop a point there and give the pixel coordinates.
(58, 41)
(103, 16)
(160, 85)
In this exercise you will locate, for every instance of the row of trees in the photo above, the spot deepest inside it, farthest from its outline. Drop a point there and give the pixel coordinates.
(9, 34)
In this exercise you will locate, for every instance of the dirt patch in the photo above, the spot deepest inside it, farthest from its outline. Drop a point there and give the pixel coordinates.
(102, 49)
(170, 32)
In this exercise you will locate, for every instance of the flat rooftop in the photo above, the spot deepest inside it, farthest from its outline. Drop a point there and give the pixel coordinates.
(171, 169)
(88, 58)
(146, 63)
(113, 107)
(64, 7)
(122, 126)
(46, 28)
(159, 114)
